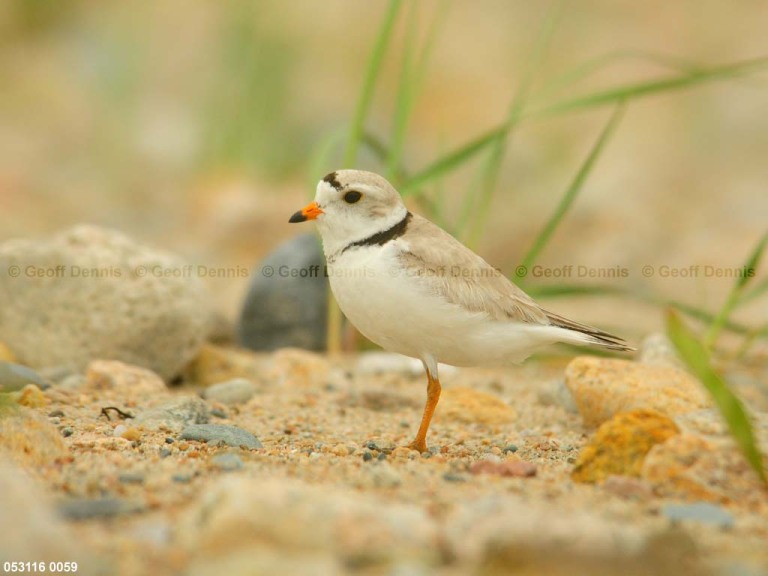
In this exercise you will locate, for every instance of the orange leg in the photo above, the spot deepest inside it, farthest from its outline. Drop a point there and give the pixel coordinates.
(433, 396)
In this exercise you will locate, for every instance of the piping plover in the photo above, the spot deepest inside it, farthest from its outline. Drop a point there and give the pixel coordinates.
(412, 288)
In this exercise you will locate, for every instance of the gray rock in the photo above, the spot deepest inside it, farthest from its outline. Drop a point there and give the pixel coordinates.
(657, 350)
(15, 376)
(702, 512)
(176, 413)
(91, 293)
(287, 299)
(221, 434)
(556, 393)
(231, 392)
(227, 462)
(87, 508)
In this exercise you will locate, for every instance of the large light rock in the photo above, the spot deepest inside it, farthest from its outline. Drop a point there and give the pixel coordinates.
(91, 293)
(604, 387)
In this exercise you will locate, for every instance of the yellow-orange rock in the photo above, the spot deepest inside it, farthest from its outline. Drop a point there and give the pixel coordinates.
(620, 445)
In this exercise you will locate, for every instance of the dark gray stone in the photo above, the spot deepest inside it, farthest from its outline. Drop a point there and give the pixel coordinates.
(86, 508)
(221, 434)
(287, 299)
(15, 376)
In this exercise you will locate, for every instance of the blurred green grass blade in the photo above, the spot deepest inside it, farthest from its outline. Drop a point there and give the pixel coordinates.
(492, 167)
(573, 190)
(639, 89)
(452, 160)
(734, 296)
(582, 71)
(320, 162)
(412, 75)
(567, 290)
(755, 292)
(371, 75)
(695, 356)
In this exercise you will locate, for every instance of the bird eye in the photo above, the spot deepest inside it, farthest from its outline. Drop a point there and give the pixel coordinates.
(352, 196)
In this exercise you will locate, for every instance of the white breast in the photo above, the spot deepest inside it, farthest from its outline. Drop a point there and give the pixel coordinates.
(396, 310)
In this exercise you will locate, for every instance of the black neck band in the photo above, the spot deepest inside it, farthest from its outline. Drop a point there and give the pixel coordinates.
(381, 238)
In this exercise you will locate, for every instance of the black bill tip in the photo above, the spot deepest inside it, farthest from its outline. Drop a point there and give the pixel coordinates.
(297, 217)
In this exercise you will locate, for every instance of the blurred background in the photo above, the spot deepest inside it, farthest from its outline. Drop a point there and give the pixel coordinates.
(200, 127)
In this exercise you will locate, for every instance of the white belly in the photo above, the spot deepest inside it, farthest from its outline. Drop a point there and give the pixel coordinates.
(398, 312)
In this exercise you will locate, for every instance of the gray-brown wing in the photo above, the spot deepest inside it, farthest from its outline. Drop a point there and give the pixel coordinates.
(452, 271)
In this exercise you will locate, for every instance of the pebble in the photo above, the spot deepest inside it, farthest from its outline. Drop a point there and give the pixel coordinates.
(386, 446)
(15, 377)
(282, 311)
(31, 396)
(88, 508)
(119, 430)
(657, 350)
(604, 387)
(453, 477)
(556, 393)
(227, 462)
(67, 432)
(700, 512)
(221, 434)
(183, 477)
(507, 468)
(125, 379)
(175, 413)
(109, 315)
(131, 478)
(231, 392)
(620, 445)
(30, 438)
(469, 406)
(215, 364)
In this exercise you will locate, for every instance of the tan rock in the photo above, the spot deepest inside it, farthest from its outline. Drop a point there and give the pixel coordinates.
(604, 387)
(214, 364)
(124, 378)
(694, 468)
(31, 396)
(467, 405)
(6, 354)
(621, 444)
(294, 367)
(30, 438)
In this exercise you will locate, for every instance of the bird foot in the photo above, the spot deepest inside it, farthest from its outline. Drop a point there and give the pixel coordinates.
(419, 446)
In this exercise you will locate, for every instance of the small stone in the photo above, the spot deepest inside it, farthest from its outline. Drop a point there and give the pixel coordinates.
(67, 432)
(604, 387)
(510, 469)
(183, 477)
(119, 430)
(131, 434)
(15, 377)
(88, 508)
(6, 355)
(220, 433)
(628, 487)
(215, 364)
(287, 310)
(219, 413)
(367, 456)
(55, 414)
(175, 413)
(227, 462)
(381, 445)
(510, 449)
(453, 477)
(164, 452)
(231, 392)
(621, 444)
(701, 512)
(169, 440)
(340, 450)
(556, 393)
(470, 406)
(131, 478)
(32, 397)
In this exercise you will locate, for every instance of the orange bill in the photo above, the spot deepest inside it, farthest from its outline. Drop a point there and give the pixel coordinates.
(309, 212)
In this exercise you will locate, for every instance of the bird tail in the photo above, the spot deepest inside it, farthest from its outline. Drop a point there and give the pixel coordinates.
(588, 334)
